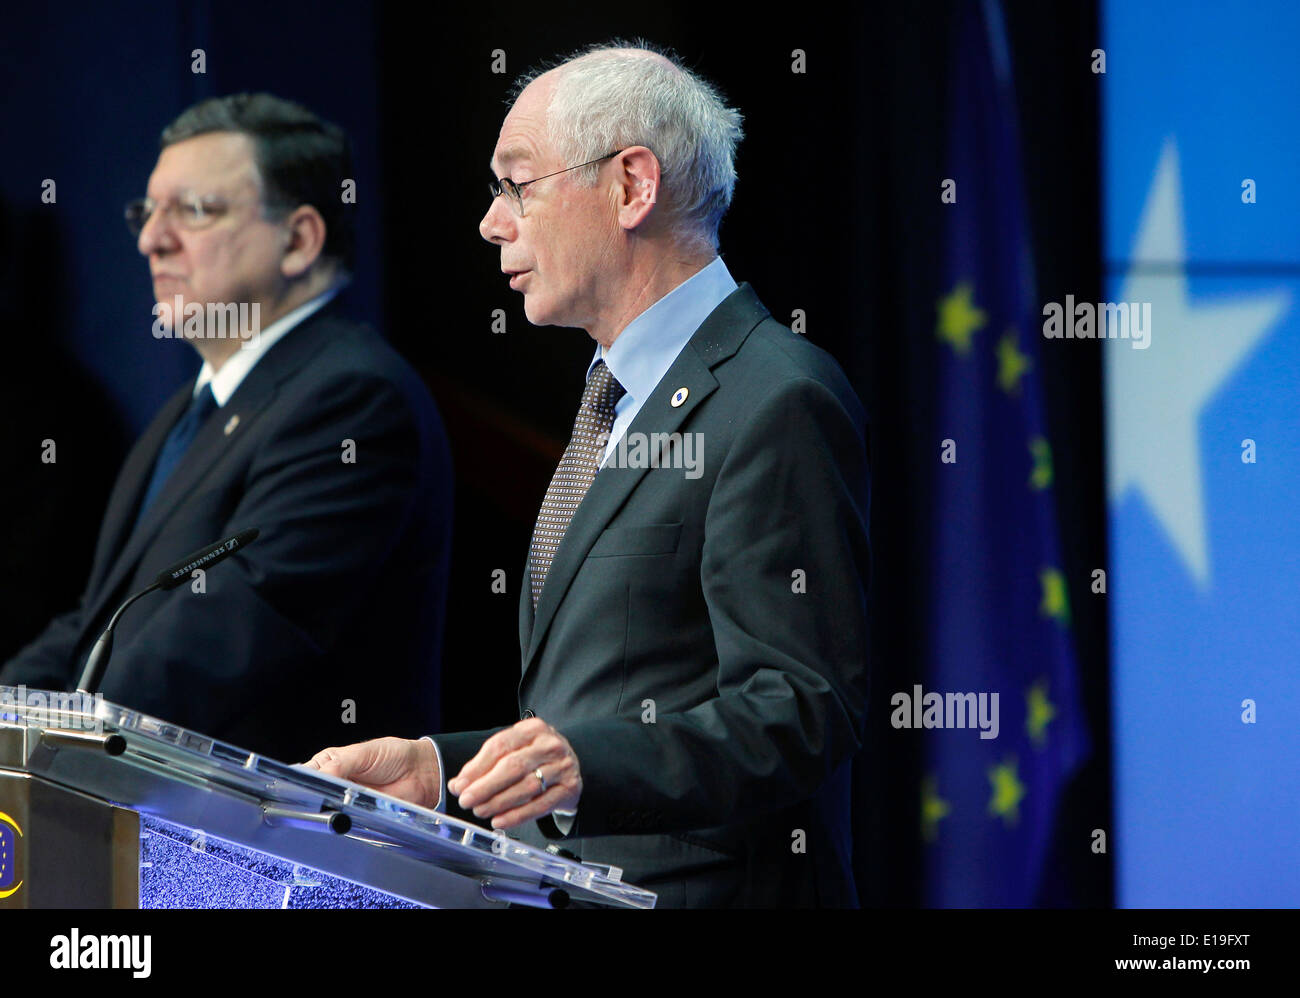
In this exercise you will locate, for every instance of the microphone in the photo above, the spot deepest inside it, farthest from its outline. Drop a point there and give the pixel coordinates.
(167, 579)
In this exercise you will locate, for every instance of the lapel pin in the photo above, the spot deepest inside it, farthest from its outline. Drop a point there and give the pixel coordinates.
(679, 396)
(231, 424)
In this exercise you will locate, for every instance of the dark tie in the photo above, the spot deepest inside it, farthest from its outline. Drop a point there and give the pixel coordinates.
(177, 443)
(576, 471)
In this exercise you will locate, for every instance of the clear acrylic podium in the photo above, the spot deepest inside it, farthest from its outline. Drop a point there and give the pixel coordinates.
(101, 806)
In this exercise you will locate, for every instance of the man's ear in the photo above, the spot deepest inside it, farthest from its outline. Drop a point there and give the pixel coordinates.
(303, 242)
(638, 175)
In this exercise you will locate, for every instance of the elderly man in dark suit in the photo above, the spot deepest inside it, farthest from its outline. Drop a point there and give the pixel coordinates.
(693, 622)
(301, 424)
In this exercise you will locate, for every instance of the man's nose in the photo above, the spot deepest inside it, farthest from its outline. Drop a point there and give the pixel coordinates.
(157, 235)
(497, 221)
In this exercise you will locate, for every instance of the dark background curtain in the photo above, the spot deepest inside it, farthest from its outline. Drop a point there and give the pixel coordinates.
(837, 213)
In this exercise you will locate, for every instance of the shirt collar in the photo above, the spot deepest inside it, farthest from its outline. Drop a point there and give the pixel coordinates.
(648, 345)
(236, 367)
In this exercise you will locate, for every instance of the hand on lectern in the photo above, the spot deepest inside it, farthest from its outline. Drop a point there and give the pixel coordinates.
(521, 773)
(400, 767)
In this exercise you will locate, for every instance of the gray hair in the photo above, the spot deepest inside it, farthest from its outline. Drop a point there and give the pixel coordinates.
(619, 94)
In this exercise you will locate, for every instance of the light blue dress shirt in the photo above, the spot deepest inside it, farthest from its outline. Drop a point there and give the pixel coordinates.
(648, 345)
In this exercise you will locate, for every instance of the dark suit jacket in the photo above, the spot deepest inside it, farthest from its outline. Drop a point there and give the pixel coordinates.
(340, 598)
(684, 594)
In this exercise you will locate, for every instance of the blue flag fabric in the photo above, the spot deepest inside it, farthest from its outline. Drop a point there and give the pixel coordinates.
(1001, 658)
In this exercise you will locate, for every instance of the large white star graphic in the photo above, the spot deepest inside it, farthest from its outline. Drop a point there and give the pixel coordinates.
(1155, 397)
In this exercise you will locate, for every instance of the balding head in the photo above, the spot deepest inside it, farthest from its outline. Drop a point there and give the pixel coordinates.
(616, 95)
(616, 167)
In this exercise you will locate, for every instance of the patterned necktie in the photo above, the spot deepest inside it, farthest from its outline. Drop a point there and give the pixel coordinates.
(177, 443)
(576, 471)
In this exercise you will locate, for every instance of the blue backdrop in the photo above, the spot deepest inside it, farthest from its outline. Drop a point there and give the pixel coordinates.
(1203, 466)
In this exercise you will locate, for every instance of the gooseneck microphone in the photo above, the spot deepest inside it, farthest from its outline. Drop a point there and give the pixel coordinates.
(168, 578)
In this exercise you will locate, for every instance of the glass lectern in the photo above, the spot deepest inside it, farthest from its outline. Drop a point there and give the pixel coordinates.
(101, 806)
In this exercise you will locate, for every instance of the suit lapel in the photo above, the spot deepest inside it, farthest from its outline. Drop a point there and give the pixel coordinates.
(718, 337)
(130, 487)
(525, 615)
(249, 401)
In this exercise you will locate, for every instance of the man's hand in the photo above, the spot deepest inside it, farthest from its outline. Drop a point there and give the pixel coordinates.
(501, 783)
(399, 767)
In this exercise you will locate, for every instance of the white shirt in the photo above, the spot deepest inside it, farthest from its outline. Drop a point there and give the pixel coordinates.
(236, 368)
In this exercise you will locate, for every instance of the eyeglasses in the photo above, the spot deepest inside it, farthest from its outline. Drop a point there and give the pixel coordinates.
(189, 211)
(516, 191)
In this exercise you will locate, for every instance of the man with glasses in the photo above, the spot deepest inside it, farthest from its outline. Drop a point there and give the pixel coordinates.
(300, 423)
(693, 633)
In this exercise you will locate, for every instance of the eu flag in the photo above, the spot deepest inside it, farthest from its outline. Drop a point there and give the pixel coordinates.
(1000, 615)
(8, 854)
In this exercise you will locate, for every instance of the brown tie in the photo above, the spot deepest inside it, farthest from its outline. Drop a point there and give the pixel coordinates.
(576, 471)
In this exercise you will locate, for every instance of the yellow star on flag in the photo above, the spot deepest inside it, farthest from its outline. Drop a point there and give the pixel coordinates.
(1041, 451)
(1039, 712)
(959, 318)
(1056, 599)
(1008, 792)
(933, 809)
(1012, 364)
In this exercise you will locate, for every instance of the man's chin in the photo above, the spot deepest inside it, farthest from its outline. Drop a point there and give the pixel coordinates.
(169, 303)
(170, 315)
(535, 312)
(165, 311)
(541, 313)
